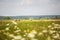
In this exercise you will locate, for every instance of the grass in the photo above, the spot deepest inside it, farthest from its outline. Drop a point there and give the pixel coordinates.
(25, 27)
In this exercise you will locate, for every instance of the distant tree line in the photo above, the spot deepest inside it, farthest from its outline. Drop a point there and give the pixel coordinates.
(36, 18)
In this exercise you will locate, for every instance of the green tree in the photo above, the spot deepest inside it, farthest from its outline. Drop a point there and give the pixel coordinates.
(26, 17)
(7, 18)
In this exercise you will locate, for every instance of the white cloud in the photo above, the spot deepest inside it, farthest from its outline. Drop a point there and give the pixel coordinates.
(29, 7)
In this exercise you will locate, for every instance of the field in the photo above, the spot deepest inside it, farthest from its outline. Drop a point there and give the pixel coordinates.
(29, 29)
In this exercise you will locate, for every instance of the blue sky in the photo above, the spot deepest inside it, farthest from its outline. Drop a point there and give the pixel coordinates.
(29, 7)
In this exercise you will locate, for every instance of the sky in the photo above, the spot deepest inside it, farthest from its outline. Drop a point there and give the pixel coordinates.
(29, 7)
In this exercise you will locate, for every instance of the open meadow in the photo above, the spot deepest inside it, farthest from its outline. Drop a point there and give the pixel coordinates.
(29, 29)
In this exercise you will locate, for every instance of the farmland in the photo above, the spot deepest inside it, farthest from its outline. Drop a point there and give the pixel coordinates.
(29, 29)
